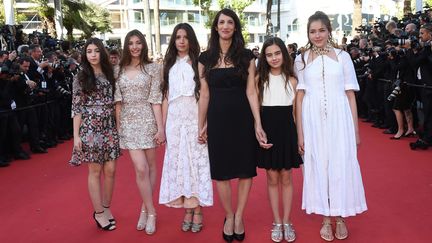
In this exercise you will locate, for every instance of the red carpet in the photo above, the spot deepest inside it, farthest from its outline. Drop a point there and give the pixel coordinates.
(46, 200)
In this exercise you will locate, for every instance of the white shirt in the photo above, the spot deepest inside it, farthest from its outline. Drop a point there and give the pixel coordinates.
(276, 93)
(181, 79)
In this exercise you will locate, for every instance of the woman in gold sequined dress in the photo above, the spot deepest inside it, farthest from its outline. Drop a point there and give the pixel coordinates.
(139, 119)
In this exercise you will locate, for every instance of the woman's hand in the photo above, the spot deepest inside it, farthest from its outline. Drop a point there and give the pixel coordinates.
(77, 143)
(300, 143)
(160, 137)
(202, 134)
(262, 138)
(357, 139)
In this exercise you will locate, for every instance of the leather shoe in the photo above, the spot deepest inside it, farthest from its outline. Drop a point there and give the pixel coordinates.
(419, 144)
(389, 131)
(4, 163)
(39, 150)
(226, 237)
(22, 156)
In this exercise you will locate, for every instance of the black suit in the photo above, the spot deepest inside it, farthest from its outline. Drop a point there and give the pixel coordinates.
(423, 60)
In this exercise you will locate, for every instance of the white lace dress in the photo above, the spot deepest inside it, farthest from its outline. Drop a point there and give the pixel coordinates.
(332, 184)
(186, 180)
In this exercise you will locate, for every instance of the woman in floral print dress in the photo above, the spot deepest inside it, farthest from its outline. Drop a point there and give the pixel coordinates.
(96, 140)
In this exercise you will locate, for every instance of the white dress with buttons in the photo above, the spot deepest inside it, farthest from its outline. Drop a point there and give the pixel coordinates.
(186, 168)
(332, 183)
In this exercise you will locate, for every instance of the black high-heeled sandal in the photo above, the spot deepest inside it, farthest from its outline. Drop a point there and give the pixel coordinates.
(111, 220)
(108, 227)
(226, 237)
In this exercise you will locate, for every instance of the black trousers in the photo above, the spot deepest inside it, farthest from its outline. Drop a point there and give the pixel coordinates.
(29, 117)
(426, 98)
(10, 134)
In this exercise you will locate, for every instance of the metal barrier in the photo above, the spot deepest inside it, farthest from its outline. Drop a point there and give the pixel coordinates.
(28, 107)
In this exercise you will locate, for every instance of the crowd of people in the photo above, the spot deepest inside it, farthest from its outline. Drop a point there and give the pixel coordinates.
(35, 99)
(393, 65)
(220, 114)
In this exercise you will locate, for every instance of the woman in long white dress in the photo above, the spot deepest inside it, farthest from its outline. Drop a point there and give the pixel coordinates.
(186, 181)
(328, 131)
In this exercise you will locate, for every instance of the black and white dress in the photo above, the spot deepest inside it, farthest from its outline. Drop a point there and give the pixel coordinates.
(278, 123)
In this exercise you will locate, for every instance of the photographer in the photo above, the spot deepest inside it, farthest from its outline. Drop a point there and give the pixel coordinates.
(375, 88)
(27, 115)
(360, 65)
(421, 60)
(10, 131)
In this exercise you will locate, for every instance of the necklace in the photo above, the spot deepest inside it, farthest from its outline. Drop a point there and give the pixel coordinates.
(321, 51)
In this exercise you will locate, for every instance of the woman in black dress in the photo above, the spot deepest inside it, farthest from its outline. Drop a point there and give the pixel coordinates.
(229, 114)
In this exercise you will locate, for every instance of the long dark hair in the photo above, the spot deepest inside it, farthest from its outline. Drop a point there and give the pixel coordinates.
(86, 76)
(126, 57)
(235, 51)
(318, 16)
(263, 68)
(171, 57)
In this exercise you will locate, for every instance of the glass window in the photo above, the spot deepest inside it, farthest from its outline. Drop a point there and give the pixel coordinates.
(171, 17)
(293, 26)
(115, 20)
(193, 17)
(138, 16)
(253, 19)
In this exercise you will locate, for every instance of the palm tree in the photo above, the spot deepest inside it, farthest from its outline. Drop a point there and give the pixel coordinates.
(148, 33)
(46, 13)
(407, 7)
(157, 26)
(357, 14)
(86, 17)
(268, 18)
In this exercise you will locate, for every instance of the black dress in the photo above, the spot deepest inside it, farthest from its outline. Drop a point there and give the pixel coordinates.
(230, 124)
(278, 123)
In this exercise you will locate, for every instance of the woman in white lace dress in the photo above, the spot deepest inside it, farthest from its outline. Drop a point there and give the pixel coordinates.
(327, 130)
(186, 181)
(139, 119)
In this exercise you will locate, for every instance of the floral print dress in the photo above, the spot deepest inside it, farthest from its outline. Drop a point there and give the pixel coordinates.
(98, 133)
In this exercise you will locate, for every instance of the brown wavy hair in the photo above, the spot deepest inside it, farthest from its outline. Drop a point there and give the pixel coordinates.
(171, 57)
(263, 68)
(126, 57)
(86, 76)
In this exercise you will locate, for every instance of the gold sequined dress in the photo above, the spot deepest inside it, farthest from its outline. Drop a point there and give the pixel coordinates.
(137, 121)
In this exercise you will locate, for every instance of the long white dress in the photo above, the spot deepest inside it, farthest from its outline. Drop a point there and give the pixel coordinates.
(186, 167)
(332, 184)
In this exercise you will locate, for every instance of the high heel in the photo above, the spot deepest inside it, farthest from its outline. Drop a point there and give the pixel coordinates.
(111, 220)
(396, 138)
(142, 220)
(239, 237)
(151, 224)
(226, 237)
(186, 225)
(108, 227)
(196, 227)
(411, 134)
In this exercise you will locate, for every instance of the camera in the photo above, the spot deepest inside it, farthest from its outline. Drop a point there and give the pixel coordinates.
(396, 91)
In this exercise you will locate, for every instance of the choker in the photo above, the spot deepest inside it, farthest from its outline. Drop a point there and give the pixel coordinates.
(321, 51)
